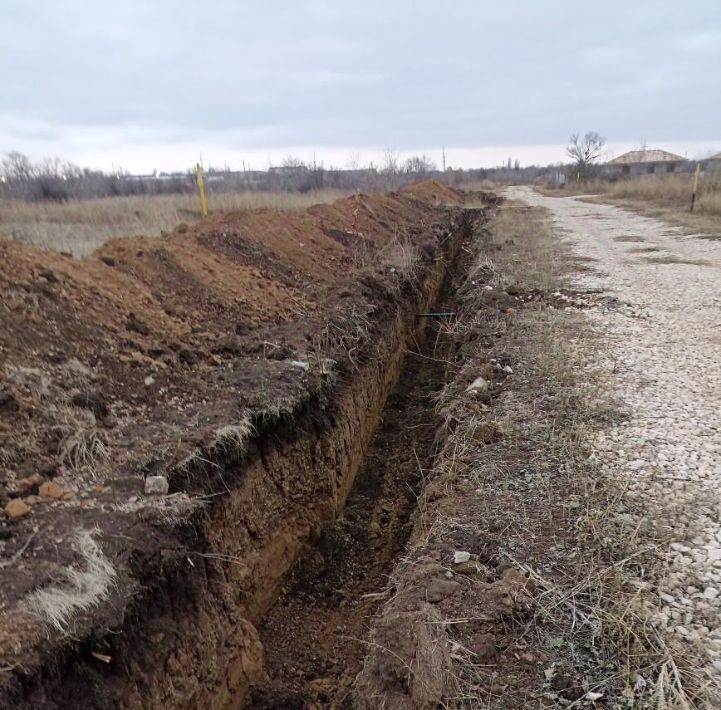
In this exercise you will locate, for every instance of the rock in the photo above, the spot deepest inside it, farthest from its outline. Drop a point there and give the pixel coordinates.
(714, 555)
(156, 486)
(16, 509)
(478, 385)
(53, 490)
(710, 593)
(460, 556)
(438, 589)
(149, 380)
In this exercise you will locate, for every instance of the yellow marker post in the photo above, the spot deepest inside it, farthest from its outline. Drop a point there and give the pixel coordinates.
(201, 189)
(694, 189)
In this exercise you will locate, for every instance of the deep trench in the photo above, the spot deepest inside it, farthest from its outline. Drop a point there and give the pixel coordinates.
(314, 638)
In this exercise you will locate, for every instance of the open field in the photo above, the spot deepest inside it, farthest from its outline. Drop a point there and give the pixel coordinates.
(667, 197)
(81, 226)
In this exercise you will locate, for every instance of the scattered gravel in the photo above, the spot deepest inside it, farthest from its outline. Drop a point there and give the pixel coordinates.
(662, 324)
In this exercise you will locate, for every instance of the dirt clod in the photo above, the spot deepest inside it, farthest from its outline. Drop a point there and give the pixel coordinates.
(16, 508)
(94, 401)
(438, 589)
(156, 486)
(53, 490)
(8, 404)
(136, 325)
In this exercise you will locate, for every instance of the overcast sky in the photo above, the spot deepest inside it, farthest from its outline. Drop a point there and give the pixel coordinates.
(152, 84)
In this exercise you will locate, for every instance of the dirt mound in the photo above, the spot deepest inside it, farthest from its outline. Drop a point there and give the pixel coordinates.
(141, 366)
(435, 193)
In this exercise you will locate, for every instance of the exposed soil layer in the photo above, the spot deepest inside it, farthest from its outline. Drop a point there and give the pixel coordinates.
(246, 362)
(315, 637)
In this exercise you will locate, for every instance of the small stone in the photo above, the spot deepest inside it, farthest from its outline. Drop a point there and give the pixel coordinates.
(714, 555)
(460, 556)
(149, 380)
(16, 509)
(156, 486)
(710, 593)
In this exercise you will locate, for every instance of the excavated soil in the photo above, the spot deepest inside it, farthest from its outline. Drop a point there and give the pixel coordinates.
(247, 363)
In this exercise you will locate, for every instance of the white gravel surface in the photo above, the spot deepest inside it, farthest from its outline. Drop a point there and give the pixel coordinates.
(664, 333)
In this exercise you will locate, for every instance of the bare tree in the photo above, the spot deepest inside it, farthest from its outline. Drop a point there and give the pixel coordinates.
(390, 161)
(290, 162)
(17, 166)
(585, 151)
(419, 165)
(391, 167)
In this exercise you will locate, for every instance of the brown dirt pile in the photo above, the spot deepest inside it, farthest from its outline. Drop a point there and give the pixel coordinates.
(118, 367)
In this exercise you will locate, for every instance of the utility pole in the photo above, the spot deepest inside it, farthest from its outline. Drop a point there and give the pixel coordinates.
(444, 158)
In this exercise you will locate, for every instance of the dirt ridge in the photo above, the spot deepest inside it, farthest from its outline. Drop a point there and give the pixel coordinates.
(162, 554)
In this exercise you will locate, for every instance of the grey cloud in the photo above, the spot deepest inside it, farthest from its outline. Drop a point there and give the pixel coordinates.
(367, 74)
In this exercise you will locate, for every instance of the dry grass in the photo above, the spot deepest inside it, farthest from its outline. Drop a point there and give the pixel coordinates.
(667, 197)
(81, 226)
(598, 596)
(76, 590)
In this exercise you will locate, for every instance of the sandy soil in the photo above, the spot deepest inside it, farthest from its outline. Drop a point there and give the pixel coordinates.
(659, 337)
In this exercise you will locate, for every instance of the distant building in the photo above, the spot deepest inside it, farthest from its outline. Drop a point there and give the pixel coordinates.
(643, 162)
(712, 163)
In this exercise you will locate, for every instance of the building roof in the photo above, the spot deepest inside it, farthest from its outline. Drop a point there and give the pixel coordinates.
(645, 156)
(716, 156)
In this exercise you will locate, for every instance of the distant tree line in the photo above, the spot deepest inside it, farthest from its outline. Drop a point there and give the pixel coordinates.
(58, 180)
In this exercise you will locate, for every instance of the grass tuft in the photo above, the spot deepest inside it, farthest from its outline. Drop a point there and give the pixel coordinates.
(77, 590)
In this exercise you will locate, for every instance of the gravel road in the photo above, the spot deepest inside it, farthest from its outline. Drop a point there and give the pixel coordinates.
(664, 334)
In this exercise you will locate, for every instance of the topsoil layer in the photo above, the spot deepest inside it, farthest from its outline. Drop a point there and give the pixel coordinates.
(132, 362)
